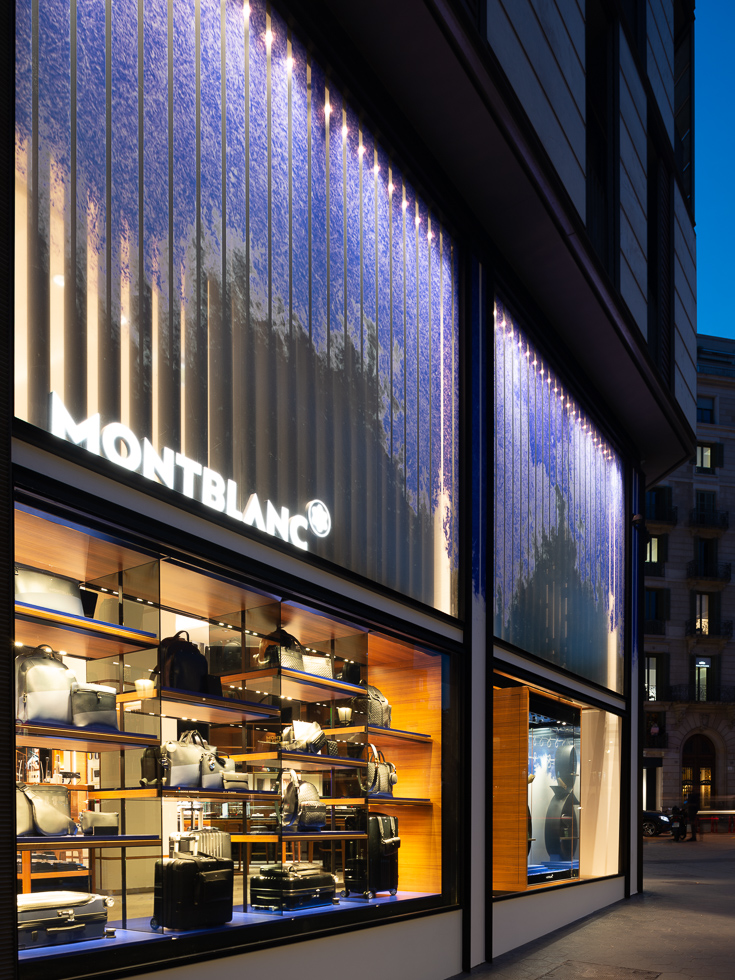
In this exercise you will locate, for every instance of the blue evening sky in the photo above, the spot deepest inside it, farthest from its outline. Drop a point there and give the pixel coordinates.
(714, 153)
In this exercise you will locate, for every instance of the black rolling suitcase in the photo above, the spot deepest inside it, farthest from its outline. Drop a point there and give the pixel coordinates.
(379, 871)
(192, 891)
(280, 888)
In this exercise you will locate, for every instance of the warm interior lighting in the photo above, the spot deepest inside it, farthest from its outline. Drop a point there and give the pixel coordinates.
(344, 131)
(390, 188)
(327, 108)
(361, 149)
(246, 10)
(268, 37)
(376, 169)
(58, 280)
(289, 63)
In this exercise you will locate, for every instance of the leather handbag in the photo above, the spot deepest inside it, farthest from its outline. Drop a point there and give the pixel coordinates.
(280, 649)
(39, 588)
(51, 809)
(317, 665)
(93, 704)
(96, 823)
(181, 761)
(43, 685)
(381, 776)
(183, 667)
(302, 808)
(303, 736)
(213, 769)
(374, 704)
(23, 812)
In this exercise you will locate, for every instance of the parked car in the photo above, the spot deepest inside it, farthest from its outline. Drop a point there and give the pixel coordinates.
(655, 823)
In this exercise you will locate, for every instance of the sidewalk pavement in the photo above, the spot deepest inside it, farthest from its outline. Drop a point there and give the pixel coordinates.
(681, 927)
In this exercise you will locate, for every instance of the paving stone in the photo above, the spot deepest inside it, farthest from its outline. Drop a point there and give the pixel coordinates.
(575, 970)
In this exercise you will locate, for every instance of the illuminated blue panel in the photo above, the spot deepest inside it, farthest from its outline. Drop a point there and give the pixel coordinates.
(241, 238)
(336, 228)
(319, 217)
(300, 185)
(559, 544)
(259, 266)
(279, 208)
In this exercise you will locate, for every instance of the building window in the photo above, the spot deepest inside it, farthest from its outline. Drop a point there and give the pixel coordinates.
(657, 611)
(651, 680)
(657, 553)
(709, 456)
(702, 667)
(659, 507)
(702, 612)
(705, 409)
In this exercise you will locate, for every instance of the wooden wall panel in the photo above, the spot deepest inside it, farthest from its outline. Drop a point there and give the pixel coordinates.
(510, 788)
(412, 681)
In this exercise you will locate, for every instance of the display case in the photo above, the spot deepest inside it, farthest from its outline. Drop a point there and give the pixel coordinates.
(556, 796)
(293, 828)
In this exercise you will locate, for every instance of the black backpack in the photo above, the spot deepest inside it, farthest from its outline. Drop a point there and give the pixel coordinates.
(182, 666)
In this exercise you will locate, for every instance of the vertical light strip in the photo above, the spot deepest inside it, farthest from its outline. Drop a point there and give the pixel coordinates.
(125, 342)
(155, 360)
(269, 155)
(289, 82)
(182, 329)
(57, 283)
(22, 163)
(93, 315)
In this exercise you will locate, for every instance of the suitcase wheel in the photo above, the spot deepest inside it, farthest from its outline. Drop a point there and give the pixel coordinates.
(393, 891)
(345, 893)
(368, 894)
(154, 924)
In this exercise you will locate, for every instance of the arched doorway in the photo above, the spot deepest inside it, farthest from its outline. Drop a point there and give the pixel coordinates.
(698, 768)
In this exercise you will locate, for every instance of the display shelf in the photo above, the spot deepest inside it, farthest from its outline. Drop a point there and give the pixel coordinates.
(78, 739)
(229, 797)
(396, 733)
(294, 685)
(41, 875)
(79, 842)
(123, 794)
(387, 801)
(196, 708)
(377, 733)
(302, 761)
(76, 635)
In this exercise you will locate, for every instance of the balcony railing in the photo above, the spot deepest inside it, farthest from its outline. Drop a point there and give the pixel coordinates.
(714, 629)
(719, 519)
(712, 570)
(658, 514)
(692, 693)
(654, 568)
(655, 627)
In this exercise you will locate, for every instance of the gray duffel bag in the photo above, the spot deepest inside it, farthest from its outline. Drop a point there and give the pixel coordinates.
(43, 685)
(50, 807)
(98, 822)
(93, 704)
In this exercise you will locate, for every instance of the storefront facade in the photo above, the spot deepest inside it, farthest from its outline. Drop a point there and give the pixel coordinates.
(279, 385)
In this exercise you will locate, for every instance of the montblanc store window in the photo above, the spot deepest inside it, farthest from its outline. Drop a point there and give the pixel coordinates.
(233, 305)
(559, 601)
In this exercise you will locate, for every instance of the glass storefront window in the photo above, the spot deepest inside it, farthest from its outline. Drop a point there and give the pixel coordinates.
(559, 527)
(556, 789)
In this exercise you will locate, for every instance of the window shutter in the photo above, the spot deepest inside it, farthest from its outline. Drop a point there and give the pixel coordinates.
(718, 454)
(715, 605)
(667, 494)
(663, 548)
(664, 604)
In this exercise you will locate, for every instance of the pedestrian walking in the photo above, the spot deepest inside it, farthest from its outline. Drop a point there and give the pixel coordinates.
(692, 809)
(678, 823)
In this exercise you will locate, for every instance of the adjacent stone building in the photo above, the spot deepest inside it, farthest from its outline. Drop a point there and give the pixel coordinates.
(689, 604)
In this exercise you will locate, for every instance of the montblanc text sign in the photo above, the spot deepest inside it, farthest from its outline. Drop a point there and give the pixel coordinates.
(119, 444)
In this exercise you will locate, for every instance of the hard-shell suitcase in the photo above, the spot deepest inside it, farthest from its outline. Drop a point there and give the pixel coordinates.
(379, 871)
(210, 841)
(281, 888)
(192, 891)
(53, 917)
